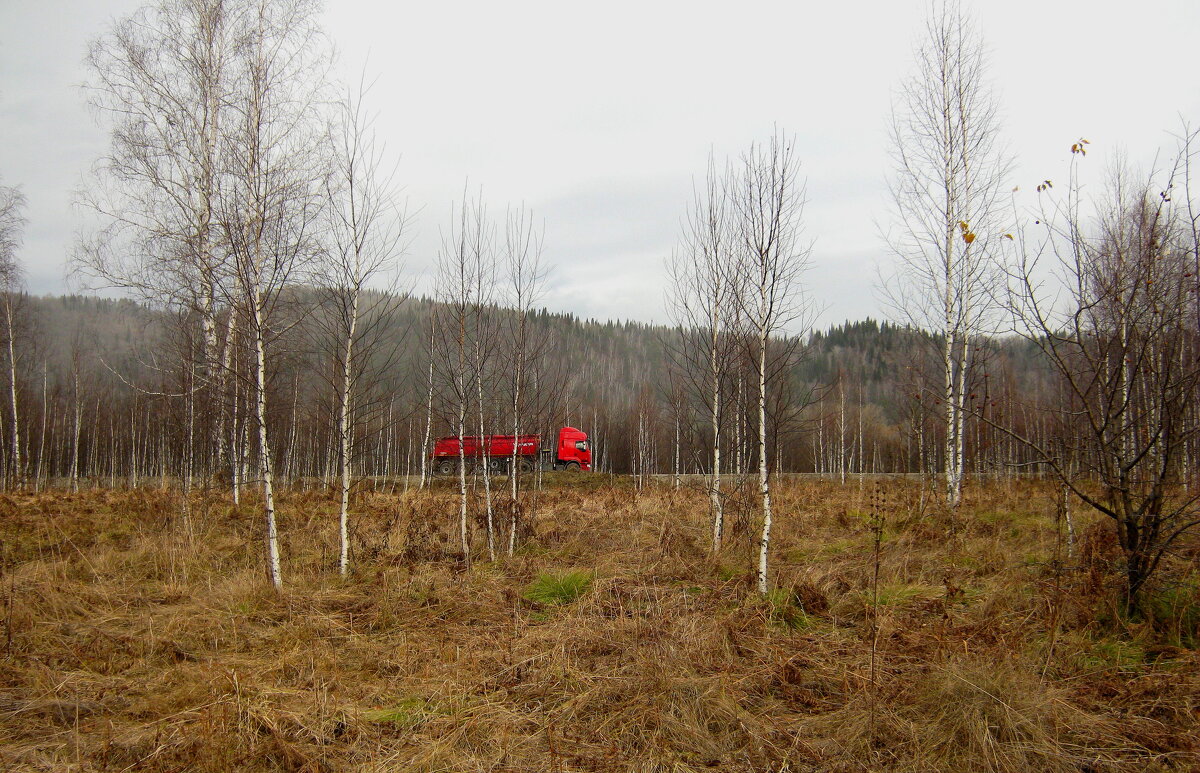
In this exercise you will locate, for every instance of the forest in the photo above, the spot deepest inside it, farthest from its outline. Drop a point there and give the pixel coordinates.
(111, 361)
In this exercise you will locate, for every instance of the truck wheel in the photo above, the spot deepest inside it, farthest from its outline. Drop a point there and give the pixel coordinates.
(524, 465)
(445, 467)
(572, 467)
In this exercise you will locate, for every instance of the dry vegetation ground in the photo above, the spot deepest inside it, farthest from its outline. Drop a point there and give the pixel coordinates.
(138, 636)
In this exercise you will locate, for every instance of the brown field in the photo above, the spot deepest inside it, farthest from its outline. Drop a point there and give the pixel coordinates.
(141, 634)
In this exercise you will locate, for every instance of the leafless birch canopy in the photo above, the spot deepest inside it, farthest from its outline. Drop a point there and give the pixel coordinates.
(949, 216)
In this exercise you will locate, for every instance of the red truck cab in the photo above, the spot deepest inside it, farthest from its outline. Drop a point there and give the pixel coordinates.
(574, 450)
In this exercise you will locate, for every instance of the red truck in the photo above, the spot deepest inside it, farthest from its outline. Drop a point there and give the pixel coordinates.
(573, 452)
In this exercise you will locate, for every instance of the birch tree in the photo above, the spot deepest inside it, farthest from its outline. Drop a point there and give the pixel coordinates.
(431, 354)
(12, 228)
(526, 283)
(946, 190)
(459, 267)
(701, 303)
(273, 200)
(484, 340)
(78, 352)
(162, 78)
(366, 228)
(768, 205)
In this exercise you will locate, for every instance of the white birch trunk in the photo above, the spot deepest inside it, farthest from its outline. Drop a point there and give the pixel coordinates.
(514, 471)
(236, 451)
(37, 476)
(677, 472)
(718, 509)
(764, 542)
(960, 419)
(462, 473)
(289, 469)
(264, 448)
(345, 429)
(842, 428)
(428, 417)
(18, 467)
(75, 433)
(484, 445)
(190, 449)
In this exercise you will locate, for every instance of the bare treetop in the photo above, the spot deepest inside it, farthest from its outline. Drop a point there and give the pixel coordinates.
(12, 232)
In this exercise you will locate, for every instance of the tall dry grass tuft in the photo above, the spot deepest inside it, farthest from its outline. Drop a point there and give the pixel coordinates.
(140, 633)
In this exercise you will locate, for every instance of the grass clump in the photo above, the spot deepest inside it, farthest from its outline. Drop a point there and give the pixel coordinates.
(786, 610)
(1175, 610)
(558, 589)
(899, 594)
(407, 713)
(1117, 653)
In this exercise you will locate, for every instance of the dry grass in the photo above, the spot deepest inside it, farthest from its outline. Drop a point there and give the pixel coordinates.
(142, 635)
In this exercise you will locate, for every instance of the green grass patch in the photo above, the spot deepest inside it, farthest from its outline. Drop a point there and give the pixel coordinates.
(407, 713)
(532, 549)
(899, 594)
(1104, 654)
(965, 561)
(829, 549)
(727, 573)
(558, 589)
(785, 610)
(1013, 517)
(1039, 558)
(1174, 612)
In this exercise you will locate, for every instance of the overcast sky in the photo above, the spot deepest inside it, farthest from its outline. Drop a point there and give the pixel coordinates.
(599, 117)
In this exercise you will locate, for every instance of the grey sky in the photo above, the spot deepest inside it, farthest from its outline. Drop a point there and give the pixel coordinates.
(598, 117)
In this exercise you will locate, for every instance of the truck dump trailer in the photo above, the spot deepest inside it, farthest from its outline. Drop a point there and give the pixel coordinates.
(572, 452)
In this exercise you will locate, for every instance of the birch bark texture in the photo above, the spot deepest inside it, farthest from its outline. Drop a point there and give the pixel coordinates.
(948, 208)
